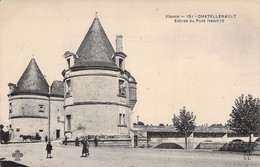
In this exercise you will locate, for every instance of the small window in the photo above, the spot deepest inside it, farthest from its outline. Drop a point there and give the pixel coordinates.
(69, 122)
(68, 87)
(41, 108)
(22, 108)
(40, 130)
(18, 130)
(122, 88)
(123, 119)
(120, 118)
(10, 107)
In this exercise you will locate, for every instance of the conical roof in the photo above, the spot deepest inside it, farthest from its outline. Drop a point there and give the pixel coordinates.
(32, 80)
(95, 49)
(57, 88)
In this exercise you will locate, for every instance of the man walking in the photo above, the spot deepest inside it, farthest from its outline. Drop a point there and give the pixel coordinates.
(46, 138)
(96, 141)
(77, 141)
(65, 141)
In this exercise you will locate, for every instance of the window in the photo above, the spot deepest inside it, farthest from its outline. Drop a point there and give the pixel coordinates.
(10, 107)
(41, 108)
(121, 119)
(122, 88)
(69, 122)
(40, 130)
(68, 60)
(22, 108)
(120, 115)
(68, 88)
(18, 130)
(120, 63)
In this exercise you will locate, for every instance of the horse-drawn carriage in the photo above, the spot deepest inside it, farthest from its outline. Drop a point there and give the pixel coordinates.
(37, 137)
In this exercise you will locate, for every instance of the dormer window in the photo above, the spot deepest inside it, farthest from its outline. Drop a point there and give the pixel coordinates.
(68, 60)
(70, 57)
(121, 62)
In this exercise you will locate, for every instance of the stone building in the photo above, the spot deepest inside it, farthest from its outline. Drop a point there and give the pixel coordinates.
(56, 110)
(31, 105)
(100, 93)
(96, 97)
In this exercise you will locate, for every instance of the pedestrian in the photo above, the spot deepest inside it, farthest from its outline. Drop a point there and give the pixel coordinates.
(88, 145)
(49, 148)
(96, 141)
(65, 141)
(77, 141)
(46, 138)
(85, 148)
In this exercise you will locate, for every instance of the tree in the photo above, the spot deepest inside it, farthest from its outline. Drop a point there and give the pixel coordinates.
(1, 133)
(140, 123)
(184, 123)
(161, 124)
(245, 116)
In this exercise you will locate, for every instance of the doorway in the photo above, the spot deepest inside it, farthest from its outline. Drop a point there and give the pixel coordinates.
(135, 140)
(57, 133)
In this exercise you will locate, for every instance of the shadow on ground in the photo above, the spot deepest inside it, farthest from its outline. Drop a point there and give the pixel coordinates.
(4, 163)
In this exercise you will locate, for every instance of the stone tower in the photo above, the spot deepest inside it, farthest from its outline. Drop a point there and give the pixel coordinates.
(33, 108)
(100, 93)
(29, 103)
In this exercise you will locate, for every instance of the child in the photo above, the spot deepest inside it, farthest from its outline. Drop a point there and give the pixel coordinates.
(49, 148)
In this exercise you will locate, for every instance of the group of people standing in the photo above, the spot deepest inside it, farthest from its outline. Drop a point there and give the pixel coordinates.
(85, 144)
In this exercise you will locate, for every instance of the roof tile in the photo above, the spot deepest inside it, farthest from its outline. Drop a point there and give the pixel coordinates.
(95, 49)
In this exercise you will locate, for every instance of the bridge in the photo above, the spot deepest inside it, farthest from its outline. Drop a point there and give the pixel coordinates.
(202, 137)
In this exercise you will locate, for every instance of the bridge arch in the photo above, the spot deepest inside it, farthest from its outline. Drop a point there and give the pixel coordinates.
(168, 146)
(257, 140)
(209, 144)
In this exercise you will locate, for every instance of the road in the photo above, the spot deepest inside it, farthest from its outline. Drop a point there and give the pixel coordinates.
(34, 154)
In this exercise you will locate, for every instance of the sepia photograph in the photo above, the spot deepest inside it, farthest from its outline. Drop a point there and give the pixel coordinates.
(129, 83)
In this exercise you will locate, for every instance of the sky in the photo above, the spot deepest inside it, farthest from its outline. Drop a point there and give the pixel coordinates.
(202, 66)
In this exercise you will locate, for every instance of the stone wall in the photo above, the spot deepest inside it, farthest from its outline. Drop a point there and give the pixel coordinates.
(94, 102)
(57, 110)
(28, 115)
(98, 119)
(29, 126)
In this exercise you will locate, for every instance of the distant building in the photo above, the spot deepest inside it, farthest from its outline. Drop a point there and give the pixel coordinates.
(31, 105)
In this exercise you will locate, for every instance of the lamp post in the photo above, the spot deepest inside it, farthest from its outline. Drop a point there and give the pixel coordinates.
(63, 122)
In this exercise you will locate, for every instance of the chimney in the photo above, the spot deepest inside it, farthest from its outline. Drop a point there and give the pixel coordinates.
(119, 43)
(137, 118)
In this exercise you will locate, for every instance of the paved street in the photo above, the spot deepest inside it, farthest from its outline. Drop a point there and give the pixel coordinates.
(35, 155)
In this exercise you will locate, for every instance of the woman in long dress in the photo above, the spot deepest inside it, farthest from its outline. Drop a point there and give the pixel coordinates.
(85, 148)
